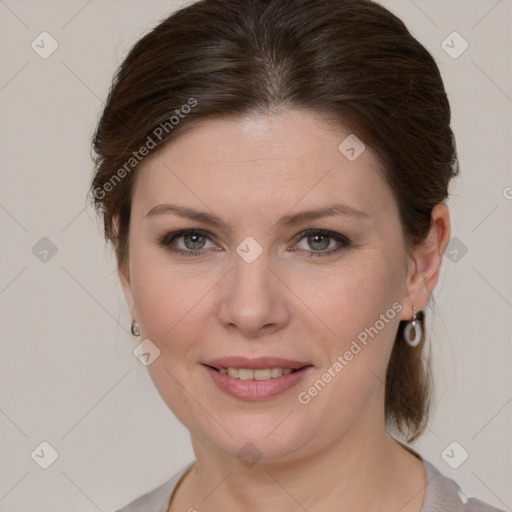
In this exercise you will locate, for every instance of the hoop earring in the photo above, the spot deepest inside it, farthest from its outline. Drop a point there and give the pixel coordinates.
(414, 326)
(135, 329)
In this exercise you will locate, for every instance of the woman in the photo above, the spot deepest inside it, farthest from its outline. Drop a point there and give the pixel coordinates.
(273, 176)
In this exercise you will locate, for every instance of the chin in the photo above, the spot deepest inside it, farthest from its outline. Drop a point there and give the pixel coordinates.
(263, 437)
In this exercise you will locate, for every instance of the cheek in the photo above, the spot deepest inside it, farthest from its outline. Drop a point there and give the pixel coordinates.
(357, 307)
(169, 303)
(172, 306)
(173, 302)
(347, 301)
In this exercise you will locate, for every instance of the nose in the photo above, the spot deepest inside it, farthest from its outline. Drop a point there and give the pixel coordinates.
(254, 298)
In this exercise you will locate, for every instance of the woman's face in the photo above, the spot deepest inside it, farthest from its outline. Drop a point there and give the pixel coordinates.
(256, 284)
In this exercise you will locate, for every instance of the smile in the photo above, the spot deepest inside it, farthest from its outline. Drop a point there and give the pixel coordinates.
(259, 374)
(256, 384)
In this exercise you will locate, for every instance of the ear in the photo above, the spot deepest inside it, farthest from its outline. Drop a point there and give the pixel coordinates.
(424, 266)
(123, 270)
(124, 278)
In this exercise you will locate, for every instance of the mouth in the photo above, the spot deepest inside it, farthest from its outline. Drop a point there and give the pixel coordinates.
(256, 379)
(256, 374)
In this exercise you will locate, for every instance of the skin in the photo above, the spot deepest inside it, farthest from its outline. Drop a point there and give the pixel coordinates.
(333, 453)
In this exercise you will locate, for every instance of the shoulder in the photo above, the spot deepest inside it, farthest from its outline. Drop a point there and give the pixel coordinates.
(443, 494)
(156, 500)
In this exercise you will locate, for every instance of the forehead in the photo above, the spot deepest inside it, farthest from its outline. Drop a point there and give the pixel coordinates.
(287, 158)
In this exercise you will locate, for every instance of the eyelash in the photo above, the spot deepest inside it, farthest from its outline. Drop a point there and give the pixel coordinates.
(166, 241)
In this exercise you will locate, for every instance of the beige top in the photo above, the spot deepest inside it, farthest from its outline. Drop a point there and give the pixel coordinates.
(441, 495)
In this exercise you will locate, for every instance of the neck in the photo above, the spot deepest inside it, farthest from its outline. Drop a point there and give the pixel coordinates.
(362, 470)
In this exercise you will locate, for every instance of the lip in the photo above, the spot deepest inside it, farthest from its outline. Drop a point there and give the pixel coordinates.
(256, 389)
(257, 363)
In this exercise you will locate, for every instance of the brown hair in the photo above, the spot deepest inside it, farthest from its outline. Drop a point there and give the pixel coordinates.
(351, 60)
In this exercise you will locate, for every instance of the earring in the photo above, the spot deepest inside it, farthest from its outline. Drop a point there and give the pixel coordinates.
(414, 326)
(135, 329)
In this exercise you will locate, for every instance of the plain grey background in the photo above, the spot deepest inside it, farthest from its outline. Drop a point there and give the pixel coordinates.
(68, 376)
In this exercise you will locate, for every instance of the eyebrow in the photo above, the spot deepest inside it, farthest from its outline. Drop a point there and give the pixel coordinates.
(332, 210)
